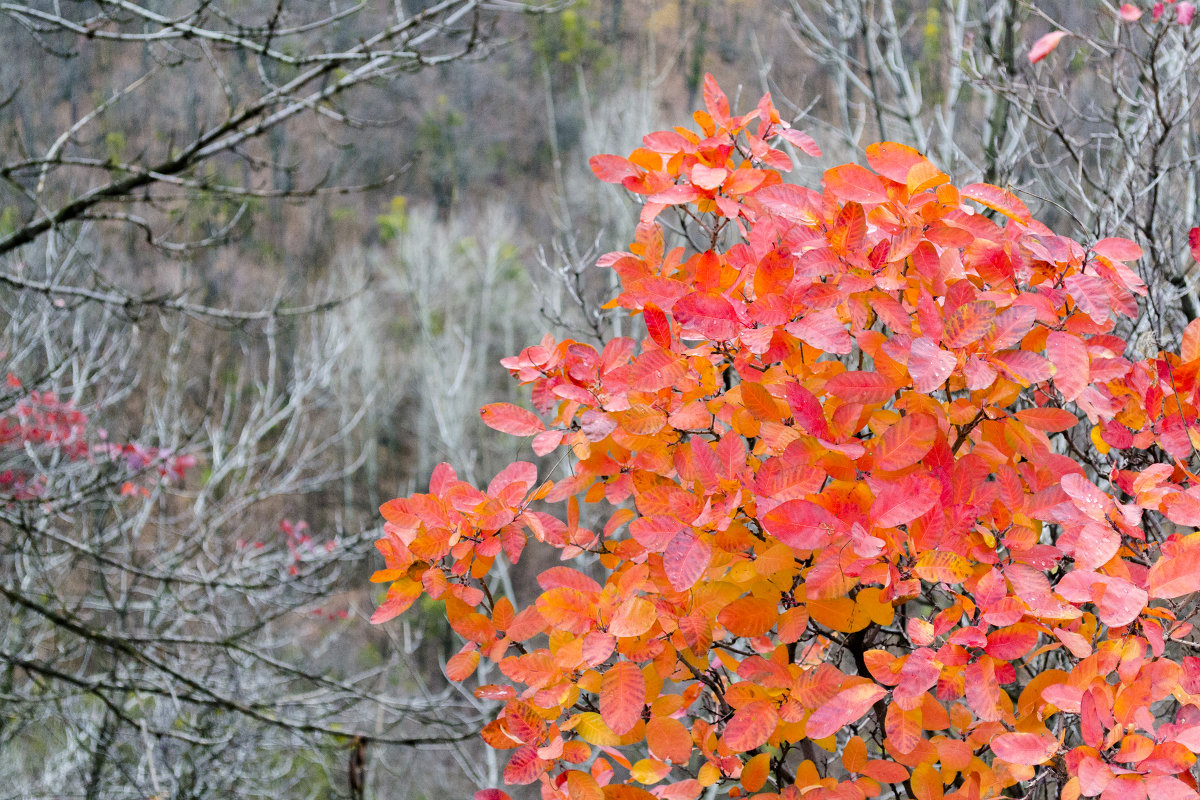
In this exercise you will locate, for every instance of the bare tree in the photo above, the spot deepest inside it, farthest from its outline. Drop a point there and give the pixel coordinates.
(179, 449)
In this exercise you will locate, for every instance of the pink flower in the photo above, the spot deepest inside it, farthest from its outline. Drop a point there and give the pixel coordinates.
(1184, 13)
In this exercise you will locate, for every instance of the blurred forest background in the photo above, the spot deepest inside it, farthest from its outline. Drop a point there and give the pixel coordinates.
(259, 260)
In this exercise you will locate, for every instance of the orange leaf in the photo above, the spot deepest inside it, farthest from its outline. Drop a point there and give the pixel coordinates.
(893, 160)
(852, 183)
(759, 402)
(996, 198)
(749, 616)
(906, 442)
(462, 664)
(886, 771)
(623, 791)
(854, 755)
(400, 596)
(756, 771)
(633, 617)
(969, 323)
(669, 740)
(843, 708)
(622, 695)
(927, 782)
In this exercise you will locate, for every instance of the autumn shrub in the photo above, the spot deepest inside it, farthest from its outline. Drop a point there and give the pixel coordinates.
(886, 510)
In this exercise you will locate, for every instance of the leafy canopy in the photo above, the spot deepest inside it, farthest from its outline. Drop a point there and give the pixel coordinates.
(890, 512)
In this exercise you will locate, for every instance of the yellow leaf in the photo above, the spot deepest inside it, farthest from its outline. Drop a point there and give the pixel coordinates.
(649, 770)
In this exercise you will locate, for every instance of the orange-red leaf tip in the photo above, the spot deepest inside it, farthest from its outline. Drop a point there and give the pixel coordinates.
(1045, 45)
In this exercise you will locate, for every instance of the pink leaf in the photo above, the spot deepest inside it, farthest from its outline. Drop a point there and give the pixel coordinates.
(612, 169)
(1025, 748)
(929, 365)
(507, 418)
(686, 559)
(1043, 46)
(802, 140)
(843, 708)
(1184, 13)
(1118, 249)
(822, 330)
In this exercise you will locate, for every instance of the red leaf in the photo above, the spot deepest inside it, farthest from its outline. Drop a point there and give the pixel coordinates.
(1194, 243)
(906, 442)
(751, 726)
(929, 365)
(807, 410)
(524, 766)
(708, 314)
(843, 708)
(999, 200)
(902, 502)
(1043, 46)
(507, 418)
(715, 100)
(686, 559)
(1025, 748)
(861, 387)
(657, 325)
(492, 794)
(622, 695)
(800, 524)
(853, 183)
(1051, 420)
